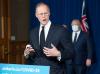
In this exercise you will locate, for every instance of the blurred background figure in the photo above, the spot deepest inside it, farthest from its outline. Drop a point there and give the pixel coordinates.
(82, 48)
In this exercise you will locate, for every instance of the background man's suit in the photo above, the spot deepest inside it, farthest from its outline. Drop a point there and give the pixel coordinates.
(83, 51)
(59, 37)
(82, 48)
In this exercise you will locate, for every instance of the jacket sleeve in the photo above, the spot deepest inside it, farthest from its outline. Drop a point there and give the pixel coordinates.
(89, 46)
(67, 52)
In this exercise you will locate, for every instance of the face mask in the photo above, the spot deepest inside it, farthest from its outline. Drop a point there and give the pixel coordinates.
(75, 28)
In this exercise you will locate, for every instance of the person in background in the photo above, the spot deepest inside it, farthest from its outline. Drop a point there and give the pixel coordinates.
(82, 47)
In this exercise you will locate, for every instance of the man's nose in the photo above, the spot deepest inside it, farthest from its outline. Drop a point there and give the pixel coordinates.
(43, 15)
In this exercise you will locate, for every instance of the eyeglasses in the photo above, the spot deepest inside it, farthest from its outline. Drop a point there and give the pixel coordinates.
(41, 14)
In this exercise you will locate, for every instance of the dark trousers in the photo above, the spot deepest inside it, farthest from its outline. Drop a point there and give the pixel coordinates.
(79, 69)
(75, 69)
(56, 71)
(68, 69)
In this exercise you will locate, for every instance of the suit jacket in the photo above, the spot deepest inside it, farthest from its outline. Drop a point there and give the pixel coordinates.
(58, 36)
(83, 49)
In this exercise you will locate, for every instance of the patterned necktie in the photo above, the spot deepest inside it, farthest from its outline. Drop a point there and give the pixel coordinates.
(42, 38)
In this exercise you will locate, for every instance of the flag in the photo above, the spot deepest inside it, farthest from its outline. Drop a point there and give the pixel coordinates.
(84, 24)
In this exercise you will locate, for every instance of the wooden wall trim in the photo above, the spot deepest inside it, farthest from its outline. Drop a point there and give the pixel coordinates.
(2, 27)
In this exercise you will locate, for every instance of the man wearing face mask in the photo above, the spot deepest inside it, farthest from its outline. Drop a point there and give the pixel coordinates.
(82, 47)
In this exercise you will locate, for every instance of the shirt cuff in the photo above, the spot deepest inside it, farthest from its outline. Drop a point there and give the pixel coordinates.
(59, 57)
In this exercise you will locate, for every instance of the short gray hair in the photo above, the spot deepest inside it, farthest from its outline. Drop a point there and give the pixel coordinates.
(40, 4)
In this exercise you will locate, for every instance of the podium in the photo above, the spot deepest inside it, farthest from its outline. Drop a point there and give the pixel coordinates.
(23, 69)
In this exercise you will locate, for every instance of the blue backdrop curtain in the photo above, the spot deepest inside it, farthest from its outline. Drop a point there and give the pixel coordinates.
(63, 11)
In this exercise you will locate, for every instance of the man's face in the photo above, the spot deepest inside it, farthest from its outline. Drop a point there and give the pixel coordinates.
(43, 13)
(76, 22)
(76, 25)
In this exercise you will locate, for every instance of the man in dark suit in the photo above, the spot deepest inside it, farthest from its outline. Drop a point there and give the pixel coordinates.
(82, 47)
(49, 44)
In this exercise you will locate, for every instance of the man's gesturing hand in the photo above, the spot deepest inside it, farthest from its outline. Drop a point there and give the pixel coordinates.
(51, 52)
(27, 50)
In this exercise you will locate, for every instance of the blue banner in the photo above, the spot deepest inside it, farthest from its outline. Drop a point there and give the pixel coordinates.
(23, 69)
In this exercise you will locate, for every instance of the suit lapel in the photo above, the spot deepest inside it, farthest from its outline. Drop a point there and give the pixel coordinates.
(50, 34)
(79, 38)
(37, 37)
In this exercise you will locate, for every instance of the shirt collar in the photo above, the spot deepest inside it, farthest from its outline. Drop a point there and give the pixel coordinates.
(47, 25)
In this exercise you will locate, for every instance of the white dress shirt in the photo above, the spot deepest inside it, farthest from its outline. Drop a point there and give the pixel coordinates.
(46, 29)
(73, 35)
